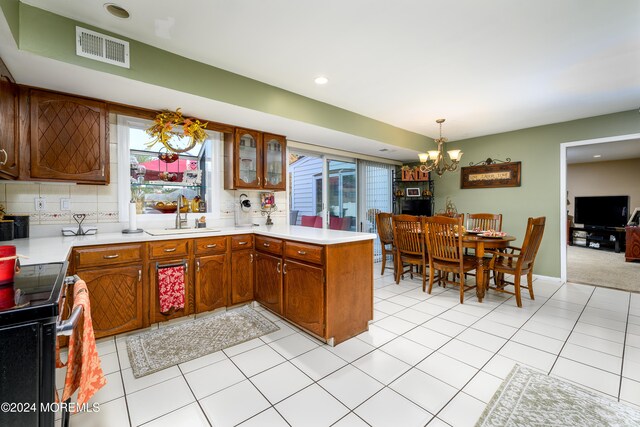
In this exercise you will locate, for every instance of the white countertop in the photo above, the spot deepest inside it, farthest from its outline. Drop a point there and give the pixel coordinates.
(56, 249)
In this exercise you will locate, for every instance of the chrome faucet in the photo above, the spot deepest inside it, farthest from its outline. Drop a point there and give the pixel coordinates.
(181, 222)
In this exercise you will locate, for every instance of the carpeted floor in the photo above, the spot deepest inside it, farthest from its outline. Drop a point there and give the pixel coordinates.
(529, 398)
(602, 268)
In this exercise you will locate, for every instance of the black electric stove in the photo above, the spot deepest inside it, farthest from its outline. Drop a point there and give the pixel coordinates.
(27, 343)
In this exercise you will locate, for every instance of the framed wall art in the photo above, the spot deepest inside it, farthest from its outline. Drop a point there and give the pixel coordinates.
(491, 174)
(413, 192)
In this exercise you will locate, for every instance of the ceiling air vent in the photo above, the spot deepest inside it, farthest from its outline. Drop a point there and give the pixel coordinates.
(102, 47)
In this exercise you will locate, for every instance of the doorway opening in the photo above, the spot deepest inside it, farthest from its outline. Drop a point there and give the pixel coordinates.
(598, 193)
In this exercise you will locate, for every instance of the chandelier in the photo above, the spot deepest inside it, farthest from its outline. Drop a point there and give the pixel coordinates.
(434, 160)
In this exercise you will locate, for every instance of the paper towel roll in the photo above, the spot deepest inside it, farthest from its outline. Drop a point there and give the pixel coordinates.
(133, 223)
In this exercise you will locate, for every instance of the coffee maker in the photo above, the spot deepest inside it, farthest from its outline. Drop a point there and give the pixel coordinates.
(243, 212)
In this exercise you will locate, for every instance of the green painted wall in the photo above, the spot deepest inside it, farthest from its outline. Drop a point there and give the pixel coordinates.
(10, 8)
(53, 36)
(539, 151)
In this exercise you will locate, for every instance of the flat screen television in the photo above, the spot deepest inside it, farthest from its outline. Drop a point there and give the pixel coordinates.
(602, 211)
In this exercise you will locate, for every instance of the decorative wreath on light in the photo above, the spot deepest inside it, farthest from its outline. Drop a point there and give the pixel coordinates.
(165, 127)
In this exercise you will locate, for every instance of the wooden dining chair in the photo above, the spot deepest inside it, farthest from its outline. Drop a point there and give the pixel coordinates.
(484, 221)
(451, 215)
(410, 247)
(444, 248)
(518, 261)
(385, 233)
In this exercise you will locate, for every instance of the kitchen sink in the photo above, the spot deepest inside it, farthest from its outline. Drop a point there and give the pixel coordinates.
(170, 231)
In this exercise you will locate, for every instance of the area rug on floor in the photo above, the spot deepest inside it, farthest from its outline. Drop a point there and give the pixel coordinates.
(531, 398)
(155, 350)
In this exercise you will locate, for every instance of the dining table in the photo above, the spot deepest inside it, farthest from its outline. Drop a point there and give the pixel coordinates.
(479, 243)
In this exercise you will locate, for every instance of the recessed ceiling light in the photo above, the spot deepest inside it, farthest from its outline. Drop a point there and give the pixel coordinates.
(321, 80)
(597, 156)
(117, 11)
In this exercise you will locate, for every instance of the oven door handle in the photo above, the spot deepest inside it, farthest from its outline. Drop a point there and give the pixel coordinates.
(66, 327)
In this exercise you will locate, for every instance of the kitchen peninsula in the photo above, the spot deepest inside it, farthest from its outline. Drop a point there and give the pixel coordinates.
(320, 280)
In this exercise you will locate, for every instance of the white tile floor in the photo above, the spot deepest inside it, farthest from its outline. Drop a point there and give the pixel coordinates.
(426, 360)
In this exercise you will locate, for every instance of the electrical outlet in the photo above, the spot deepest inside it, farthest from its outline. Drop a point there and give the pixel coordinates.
(65, 204)
(40, 203)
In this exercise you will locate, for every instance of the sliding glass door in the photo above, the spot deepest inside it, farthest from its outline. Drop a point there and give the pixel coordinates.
(323, 191)
(306, 189)
(375, 197)
(342, 194)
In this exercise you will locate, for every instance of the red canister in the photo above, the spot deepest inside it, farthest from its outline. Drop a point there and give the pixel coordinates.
(7, 264)
(7, 296)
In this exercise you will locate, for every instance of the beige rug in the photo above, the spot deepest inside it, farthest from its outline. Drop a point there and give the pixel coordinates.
(155, 350)
(529, 398)
(602, 268)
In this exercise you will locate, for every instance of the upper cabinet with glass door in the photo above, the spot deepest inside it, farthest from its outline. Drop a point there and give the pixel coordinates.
(254, 160)
(274, 162)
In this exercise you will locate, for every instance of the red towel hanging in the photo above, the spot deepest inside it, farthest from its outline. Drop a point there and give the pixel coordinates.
(171, 287)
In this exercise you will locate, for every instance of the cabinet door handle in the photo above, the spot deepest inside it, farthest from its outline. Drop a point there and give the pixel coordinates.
(170, 250)
(102, 170)
(6, 157)
(198, 265)
(242, 243)
(266, 245)
(114, 256)
(139, 275)
(259, 179)
(186, 269)
(212, 246)
(302, 252)
(278, 267)
(251, 255)
(284, 268)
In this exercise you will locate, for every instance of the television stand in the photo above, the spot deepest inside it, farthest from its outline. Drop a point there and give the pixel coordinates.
(598, 237)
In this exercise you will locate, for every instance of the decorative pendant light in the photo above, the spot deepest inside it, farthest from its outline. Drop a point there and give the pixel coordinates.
(434, 160)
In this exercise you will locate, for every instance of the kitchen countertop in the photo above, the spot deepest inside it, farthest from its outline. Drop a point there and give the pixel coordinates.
(56, 249)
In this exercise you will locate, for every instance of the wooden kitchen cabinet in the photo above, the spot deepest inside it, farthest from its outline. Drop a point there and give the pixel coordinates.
(211, 288)
(155, 315)
(9, 125)
(268, 289)
(169, 253)
(242, 276)
(255, 160)
(117, 298)
(632, 252)
(68, 138)
(304, 296)
(274, 166)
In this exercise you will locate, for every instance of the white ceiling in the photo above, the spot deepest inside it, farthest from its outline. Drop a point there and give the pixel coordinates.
(608, 151)
(487, 67)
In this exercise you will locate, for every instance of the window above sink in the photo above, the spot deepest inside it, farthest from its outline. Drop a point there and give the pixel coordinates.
(155, 178)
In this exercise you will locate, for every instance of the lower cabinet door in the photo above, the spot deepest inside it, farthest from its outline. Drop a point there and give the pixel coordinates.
(115, 295)
(269, 281)
(242, 275)
(304, 296)
(155, 312)
(211, 282)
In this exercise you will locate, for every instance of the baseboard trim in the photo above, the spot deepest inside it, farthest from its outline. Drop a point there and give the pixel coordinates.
(550, 278)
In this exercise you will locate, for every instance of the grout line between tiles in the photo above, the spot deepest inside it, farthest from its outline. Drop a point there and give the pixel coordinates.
(572, 329)
(496, 352)
(194, 396)
(624, 348)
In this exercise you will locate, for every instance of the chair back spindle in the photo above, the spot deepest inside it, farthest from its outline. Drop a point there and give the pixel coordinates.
(407, 234)
(484, 221)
